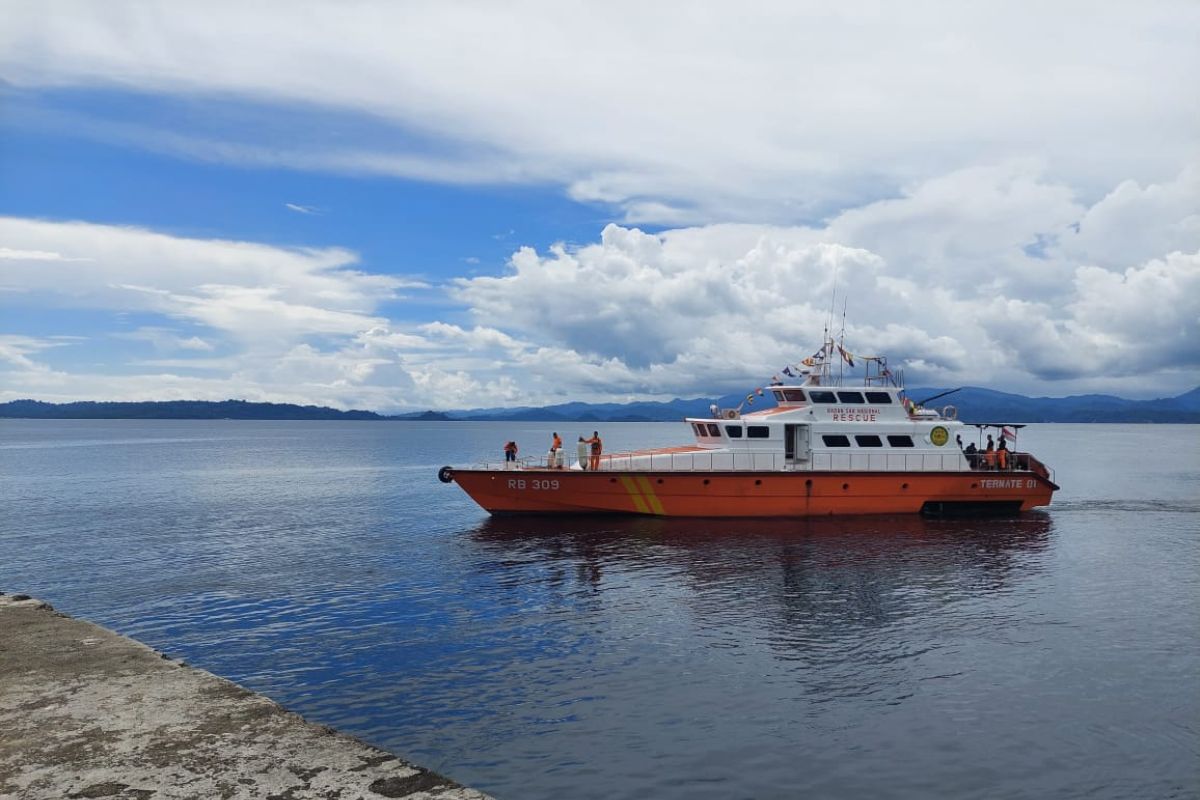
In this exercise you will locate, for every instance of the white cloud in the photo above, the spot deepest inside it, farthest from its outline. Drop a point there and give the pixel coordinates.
(1150, 312)
(997, 289)
(15, 352)
(1133, 223)
(631, 297)
(952, 287)
(273, 311)
(772, 112)
(165, 340)
(248, 290)
(299, 209)
(9, 254)
(969, 230)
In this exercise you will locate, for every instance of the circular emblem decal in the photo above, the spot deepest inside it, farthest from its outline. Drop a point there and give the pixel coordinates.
(939, 435)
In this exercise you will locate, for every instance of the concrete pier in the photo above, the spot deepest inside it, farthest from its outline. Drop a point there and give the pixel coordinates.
(87, 713)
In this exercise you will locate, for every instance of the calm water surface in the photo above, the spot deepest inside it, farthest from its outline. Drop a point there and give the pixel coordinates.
(1053, 655)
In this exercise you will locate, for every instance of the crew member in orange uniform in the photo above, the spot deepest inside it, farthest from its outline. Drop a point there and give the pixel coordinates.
(555, 460)
(597, 449)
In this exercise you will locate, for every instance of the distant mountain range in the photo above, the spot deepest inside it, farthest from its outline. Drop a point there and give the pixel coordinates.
(974, 405)
(986, 405)
(175, 409)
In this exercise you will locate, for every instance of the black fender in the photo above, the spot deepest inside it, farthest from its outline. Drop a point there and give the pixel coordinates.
(446, 474)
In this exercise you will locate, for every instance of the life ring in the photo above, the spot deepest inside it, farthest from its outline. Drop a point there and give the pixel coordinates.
(446, 474)
(731, 413)
(949, 412)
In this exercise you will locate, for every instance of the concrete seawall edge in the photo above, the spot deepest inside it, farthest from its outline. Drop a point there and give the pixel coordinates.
(86, 712)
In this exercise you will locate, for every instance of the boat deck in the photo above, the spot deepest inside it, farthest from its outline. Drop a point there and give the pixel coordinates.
(692, 458)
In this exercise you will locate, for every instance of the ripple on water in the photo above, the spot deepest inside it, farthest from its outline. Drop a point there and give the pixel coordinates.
(585, 657)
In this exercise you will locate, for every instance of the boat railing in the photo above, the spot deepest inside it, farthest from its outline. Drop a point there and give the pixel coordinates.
(1036, 467)
(890, 461)
(773, 461)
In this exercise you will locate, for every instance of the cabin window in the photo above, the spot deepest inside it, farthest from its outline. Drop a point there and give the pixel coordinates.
(714, 430)
(851, 397)
(900, 441)
(699, 428)
(734, 431)
(868, 440)
(778, 395)
(882, 398)
(758, 432)
(836, 440)
(823, 397)
(792, 395)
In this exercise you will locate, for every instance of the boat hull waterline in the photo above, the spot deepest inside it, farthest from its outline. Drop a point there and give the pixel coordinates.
(752, 494)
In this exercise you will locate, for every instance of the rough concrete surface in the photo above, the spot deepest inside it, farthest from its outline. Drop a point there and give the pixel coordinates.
(87, 713)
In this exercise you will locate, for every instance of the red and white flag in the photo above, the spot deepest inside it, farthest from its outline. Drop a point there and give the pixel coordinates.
(1008, 433)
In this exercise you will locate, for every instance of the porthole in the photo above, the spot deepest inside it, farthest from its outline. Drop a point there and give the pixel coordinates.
(845, 486)
(706, 481)
(660, 480)
(904, 486)
(758, 483)
(808, 482)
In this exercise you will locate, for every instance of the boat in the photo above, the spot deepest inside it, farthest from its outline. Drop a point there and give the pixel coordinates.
(829, 446)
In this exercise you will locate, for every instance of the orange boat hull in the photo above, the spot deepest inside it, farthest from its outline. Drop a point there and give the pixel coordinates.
(751, 494)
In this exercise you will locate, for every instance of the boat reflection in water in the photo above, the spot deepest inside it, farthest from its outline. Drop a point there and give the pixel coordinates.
(805, 586)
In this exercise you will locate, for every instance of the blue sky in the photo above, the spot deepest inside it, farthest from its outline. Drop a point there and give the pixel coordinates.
(54, 169)
(454, 205)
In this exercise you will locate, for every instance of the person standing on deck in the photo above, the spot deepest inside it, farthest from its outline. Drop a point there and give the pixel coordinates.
(581, 452)
(1002, 454)
(989, 454)
(553, 461)
(597, 449)
(972, 454)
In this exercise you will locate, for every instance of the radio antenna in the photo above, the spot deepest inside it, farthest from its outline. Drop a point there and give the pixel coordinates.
(832, 300)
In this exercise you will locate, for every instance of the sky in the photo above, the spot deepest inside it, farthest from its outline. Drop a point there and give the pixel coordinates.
(448, 205)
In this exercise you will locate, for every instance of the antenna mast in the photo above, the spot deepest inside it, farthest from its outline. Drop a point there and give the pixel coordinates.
(832, 300)
(842, 342)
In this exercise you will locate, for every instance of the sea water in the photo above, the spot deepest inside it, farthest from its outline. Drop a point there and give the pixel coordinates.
(1051, 655)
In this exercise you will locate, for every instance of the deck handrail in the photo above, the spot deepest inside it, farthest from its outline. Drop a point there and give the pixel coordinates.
(851, 460)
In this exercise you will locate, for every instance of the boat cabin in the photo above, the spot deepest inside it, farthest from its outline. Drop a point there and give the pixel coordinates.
(834, 428)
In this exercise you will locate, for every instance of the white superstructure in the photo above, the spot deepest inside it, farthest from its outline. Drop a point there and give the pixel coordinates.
(819, 424)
